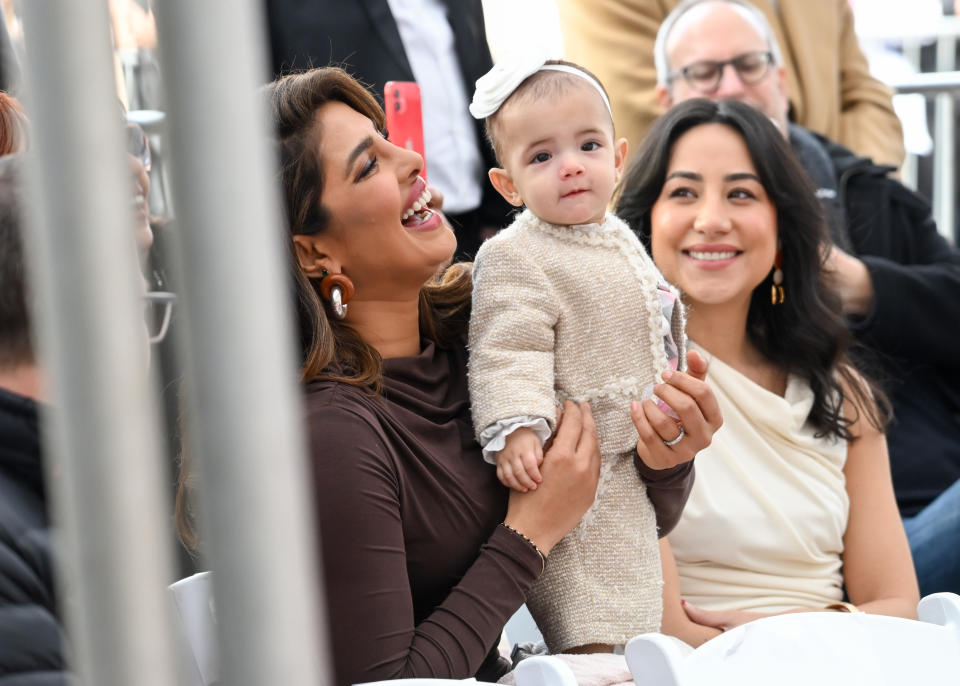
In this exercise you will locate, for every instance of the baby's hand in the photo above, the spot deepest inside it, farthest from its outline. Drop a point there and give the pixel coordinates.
(518, 464)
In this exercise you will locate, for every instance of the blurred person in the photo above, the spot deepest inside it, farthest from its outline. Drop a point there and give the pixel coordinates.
(134, 33)
(896, 275)
(440, 44)
(828, 81)
(793, 505)
(11, 46)
(31, 635)
(13, 125)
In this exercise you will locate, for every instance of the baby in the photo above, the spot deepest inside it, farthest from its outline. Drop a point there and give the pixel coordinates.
(568, 305)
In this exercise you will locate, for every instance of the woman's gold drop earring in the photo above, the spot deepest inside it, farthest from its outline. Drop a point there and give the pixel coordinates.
(777, 294)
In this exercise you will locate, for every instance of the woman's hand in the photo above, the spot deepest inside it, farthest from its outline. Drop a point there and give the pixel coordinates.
(696, 406)
(720, 619)
(570, 470)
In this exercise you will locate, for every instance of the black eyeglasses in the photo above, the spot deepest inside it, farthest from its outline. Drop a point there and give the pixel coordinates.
(704, 77)
(158, 315)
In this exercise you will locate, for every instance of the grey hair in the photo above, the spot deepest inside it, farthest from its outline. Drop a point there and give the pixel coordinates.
(751, 13)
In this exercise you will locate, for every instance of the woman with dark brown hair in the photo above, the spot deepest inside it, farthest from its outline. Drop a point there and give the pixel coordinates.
(425, 554)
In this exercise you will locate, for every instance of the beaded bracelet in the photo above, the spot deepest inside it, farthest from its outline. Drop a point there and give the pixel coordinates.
(543, 558)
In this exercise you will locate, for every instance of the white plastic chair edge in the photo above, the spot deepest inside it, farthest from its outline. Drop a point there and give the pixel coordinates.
(942, 609)
(543, 670)
(192, 600)
(654, 659)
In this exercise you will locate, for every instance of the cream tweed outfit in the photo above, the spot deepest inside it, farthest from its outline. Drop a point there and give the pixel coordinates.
(573, 312)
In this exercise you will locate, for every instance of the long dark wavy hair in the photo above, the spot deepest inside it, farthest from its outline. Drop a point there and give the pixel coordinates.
(806, 335)
(330, 348)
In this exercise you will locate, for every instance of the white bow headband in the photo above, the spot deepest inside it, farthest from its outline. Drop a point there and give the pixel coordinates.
(498, 84)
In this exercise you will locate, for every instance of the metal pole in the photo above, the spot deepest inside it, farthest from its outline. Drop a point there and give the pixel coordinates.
(929, 83)
(101, 437)
(245, 419)
(943, 152)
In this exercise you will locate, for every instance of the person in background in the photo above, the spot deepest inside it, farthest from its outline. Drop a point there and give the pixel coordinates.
(13, 125)
(793, 505)
(830, 87)
(895, 274)
(440, 44)
(31, 635)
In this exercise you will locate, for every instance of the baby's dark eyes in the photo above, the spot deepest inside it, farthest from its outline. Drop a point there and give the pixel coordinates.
(590, 146)
(540, 157)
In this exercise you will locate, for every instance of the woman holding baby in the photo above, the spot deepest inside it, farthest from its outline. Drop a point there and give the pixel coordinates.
(426, 555)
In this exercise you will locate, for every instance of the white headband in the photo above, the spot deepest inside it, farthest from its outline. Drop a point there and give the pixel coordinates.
(498, 84)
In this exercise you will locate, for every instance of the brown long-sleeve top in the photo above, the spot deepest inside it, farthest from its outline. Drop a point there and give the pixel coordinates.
(420, 579)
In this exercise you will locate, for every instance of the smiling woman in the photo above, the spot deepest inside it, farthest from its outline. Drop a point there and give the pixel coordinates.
(793, 503)
(425, 556)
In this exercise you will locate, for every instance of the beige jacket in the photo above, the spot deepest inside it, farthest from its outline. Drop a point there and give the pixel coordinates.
(574, 312)
(831, 90)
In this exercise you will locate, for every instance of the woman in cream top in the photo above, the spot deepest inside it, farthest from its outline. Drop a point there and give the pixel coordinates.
(763, 528)
(793, 501)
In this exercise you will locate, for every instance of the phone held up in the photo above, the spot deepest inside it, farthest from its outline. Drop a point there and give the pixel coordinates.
(401, 101)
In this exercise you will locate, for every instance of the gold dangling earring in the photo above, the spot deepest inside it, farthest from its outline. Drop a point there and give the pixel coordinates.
(777, 294)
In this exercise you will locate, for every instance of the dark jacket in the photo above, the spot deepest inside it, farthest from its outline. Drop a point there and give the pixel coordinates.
(362, 37)
(909, 335)
(30, 634)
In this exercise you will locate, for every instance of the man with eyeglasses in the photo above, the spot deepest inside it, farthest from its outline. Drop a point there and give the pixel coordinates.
(898, 279)
(830, 86)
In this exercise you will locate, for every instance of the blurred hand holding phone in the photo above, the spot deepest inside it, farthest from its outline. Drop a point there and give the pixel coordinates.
(401, 101)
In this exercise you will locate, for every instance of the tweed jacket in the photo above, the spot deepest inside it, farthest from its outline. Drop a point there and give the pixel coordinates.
(566, 312)
(829, 84)
(574, 312)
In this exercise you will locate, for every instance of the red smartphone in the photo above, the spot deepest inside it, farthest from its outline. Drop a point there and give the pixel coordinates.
(401, 100)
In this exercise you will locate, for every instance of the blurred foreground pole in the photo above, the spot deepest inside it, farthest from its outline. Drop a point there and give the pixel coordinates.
(244, 426)
(102, 440)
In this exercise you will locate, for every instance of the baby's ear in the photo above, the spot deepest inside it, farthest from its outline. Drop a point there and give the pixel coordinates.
(620, 156)
(502, 181)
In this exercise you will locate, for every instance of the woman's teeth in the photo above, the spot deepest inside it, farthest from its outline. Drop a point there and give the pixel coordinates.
(419, 204)
(697, 255)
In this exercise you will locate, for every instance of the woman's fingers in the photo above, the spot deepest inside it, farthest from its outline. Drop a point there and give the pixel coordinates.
(588, 443)
(696, 365)
(697, 390)
(704, 617)
(720, 619)
(664, 442)
(569, 428)
(653, 429)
